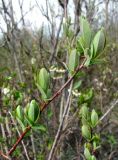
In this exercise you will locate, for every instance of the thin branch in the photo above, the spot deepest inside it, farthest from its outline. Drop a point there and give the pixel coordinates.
(33, 146)
(57, 137)
(25, 150)
(112, 154)
(8, 127)
(46, 15)
(109, 110)
(61, 107)
(57, 39)
(4, 136)
(4, 156)
(68, 109)
(25, 14)
(21, 11)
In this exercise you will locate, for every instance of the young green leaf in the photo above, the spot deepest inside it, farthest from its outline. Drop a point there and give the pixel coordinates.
(22, 124)
(84, 111)
(84, 121)
(87, 154)
(19, 113)
(86, 31)
(94, 118)
(93, 157)
(43, 79)
(98, 43)
(73, 60)
(40, 127)
(33, 111)
(86, 132)
(88, 61)
(91, 51)
(26, 109)
(81, 45)
(43, 94)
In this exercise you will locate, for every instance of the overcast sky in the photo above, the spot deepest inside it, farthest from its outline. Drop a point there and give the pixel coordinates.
(34, 18)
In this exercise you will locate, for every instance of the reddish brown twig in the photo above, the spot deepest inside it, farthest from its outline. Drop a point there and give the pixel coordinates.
(16, 144)
(19, 140)
(44, 106)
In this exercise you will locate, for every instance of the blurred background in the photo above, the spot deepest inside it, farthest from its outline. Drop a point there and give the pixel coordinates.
(32, 35)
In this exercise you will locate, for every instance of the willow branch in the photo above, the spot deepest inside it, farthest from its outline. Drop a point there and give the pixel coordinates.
(44, 106)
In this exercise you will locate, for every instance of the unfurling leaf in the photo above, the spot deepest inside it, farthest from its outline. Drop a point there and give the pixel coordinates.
(40, 127)
(94, 118)
(26, 109)
(73, 60)
(93, 157)
(86, 132)
(87, 154)
(81, 45)
(88, 61)
(19, 113)
(43, 79)
(33, 111)
(98, 43)
(84, 121)
(43, 94)
(86, 31)
(84, 111)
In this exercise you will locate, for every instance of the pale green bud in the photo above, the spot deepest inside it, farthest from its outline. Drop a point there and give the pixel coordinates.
(19, 113)
(87, 153)
(93, 157)
(84, 111)
(33, 111)
(94, 118)
(86, 132)
(43, 79)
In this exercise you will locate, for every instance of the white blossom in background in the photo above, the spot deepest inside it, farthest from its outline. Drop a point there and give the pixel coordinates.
(52, 68)
(33, 61)
(75, 92)
(105, 89)
(5, 91)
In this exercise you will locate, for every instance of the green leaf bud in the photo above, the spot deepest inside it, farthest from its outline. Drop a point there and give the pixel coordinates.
(86, 132)
(93, 157)
(26, 109)
(86, 31)
(94, 118)
(43, 79)
(33, 111)
(99, 42)
(73, 60)
(84, 111)
(19, 113)
(87, 154)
